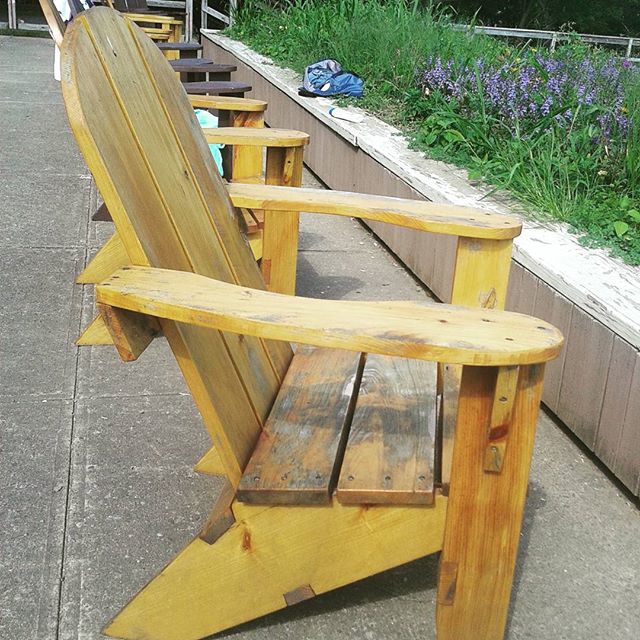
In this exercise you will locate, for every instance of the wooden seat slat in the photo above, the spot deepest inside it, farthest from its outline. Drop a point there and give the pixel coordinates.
(297, 456)
(220, 87)
(389, 457)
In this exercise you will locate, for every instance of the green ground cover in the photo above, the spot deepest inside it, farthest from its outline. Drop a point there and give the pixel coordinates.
(560, 131)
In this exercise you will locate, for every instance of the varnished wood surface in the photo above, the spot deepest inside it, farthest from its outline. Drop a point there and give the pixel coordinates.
(170, 208)
(269, 552)
(256, 137)
(95, 333)
(111, 257)
(414, 214)
(228, 103)
(297, 456)
(390, 452)
(404, 329)
(484, 514)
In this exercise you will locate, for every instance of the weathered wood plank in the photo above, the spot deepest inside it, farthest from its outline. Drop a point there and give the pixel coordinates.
(627, 465)
(131, 332)
(280, 235)
(414, 214)
(589, 344)
(297, 456)
(390, 452)
(553, 307)
(269, 552)
(615, 402)
(170, 209)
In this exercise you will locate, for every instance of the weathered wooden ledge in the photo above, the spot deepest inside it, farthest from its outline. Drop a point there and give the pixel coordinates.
(594, 387)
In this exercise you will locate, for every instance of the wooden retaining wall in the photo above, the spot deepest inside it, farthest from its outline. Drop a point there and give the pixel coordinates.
(593, 387)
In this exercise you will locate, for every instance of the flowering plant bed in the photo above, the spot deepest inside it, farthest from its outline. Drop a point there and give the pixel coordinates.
(555, 129)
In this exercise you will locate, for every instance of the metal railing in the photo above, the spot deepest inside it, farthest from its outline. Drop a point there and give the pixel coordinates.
(553, 37)
(185, 5)
(207, 12)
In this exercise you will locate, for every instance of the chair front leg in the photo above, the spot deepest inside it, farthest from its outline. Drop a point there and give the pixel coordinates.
(491, 458)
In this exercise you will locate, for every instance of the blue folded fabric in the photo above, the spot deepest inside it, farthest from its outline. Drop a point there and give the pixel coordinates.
(327, 78)
(209, 121)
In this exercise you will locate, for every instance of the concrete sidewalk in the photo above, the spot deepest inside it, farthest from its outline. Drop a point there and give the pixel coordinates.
(97, 490)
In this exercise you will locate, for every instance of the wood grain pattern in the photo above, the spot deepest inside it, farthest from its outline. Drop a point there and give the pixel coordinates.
(272, 551)
(131, 333)
(480, 279)
(556, 309)
(504, 397)
(227, 103)
(170, 208)
(580, 399)
(96, 333)
(403, 329)
(484, 512)
(627, 462)
(210, 464)
(111, 257)
(280, 235)
(615, 401)
(256, 137)
(389, 457)
(414, 214)
(297, 457)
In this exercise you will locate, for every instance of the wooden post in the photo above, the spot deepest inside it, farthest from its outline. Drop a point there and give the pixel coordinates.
(280, 234)
(485, 508)
(480, 279)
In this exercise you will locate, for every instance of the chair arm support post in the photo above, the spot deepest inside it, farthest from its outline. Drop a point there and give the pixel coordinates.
(480, 279)
(280, 235)
(131, 332)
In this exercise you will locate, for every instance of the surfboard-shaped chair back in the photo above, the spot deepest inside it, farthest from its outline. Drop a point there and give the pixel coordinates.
(141, 141)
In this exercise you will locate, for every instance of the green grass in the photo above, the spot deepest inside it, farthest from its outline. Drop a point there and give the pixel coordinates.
(554, 170)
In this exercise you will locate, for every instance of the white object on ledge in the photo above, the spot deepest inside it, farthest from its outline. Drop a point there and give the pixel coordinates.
(343, 114)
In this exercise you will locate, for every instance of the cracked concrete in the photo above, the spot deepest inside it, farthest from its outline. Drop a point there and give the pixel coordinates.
(97, 490)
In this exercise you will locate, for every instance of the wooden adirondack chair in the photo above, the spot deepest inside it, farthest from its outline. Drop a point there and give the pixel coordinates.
(218, 76)
(168, 28)
(243, 162)
(328, 452)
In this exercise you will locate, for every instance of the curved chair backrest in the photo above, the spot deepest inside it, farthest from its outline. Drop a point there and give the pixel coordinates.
(141, 141)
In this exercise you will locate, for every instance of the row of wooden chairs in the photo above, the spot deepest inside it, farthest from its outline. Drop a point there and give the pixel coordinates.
(394, 430)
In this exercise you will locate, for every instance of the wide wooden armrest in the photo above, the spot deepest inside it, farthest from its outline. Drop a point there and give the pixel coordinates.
(422, 331)
(256, 137)
(414, 214)
(227, 103)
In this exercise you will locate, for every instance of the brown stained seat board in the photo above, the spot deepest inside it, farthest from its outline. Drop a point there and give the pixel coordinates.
(389, 457)
(294, 460)
(386, 408)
